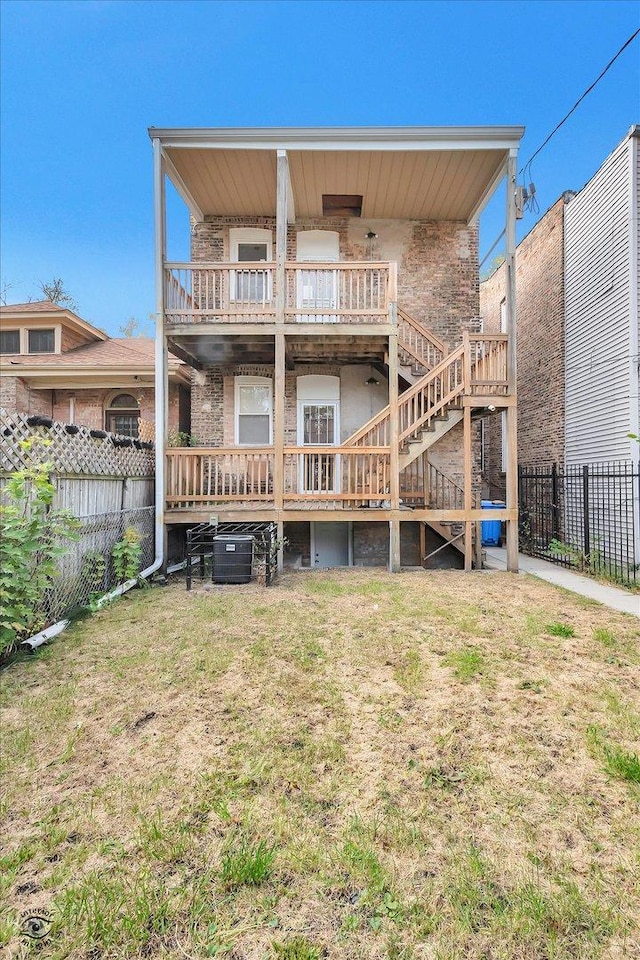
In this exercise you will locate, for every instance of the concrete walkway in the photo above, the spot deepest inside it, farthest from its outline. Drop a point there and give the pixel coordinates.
(561, 577)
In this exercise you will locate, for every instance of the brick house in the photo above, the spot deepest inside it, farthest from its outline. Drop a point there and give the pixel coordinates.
(54, 363)
(330, 313)
(577, 308)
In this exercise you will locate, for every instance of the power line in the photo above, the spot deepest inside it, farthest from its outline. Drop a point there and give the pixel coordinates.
(580, 99)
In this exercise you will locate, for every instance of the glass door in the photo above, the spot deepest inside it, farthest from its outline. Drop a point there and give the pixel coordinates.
(317, 287)
(319, 427)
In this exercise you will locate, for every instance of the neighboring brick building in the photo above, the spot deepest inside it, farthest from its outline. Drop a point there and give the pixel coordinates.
(577, 325)
(54, 363)
(540, 320)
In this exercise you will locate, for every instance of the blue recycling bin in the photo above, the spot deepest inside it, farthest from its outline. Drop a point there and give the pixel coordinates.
(492, 529)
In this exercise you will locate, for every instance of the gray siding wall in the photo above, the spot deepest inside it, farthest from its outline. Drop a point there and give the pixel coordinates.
(600, 380)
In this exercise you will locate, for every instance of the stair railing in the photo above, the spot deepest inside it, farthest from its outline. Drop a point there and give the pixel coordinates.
(442, 493)
(477, 365)
(422, 346)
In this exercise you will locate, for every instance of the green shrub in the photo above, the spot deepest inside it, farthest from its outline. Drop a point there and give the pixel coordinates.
(32, 538)
(127, 556)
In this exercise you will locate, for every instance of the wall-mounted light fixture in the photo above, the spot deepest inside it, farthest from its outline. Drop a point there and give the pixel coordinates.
(372, 382)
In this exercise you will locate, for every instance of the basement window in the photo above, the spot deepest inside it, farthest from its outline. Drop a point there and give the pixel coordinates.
(341, 205)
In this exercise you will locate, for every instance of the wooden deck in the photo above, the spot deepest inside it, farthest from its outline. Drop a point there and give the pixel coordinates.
(231, 293)
(382, 470)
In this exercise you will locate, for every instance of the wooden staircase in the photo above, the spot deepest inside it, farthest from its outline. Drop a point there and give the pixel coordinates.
(432, 406)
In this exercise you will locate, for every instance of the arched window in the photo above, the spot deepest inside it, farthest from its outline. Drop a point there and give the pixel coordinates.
(122, 414)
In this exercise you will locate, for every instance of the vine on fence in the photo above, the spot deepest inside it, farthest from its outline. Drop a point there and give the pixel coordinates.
(33, 537)
(127, 555)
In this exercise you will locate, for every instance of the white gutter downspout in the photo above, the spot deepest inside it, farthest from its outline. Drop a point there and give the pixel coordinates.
(161, 349)
(160, 412)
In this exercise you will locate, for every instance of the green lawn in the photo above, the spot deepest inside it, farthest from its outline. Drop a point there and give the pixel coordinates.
(347, 765)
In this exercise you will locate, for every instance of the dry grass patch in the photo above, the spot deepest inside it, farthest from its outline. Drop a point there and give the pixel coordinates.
(348, 765)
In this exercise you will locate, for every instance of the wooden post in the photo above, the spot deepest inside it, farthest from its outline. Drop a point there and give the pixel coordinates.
(278, 422)
(422, 533)
(478, 550)
(282, 190)
(468, 493)
(512, 372)
(466, 362)
(394, 457)
(280, 341)
(394, 546)
(280, 546)
(512, 488)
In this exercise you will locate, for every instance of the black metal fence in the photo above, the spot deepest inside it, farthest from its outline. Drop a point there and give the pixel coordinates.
(585, 516)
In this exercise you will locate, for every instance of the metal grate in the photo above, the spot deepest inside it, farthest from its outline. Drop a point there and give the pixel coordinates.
(200, 548)
(584, 516)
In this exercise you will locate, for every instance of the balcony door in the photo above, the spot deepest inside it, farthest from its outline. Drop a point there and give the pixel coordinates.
(249, 284)
(318, 426)
(317, 287)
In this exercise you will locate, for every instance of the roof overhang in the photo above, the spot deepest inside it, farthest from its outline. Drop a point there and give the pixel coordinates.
(67, 377)
(415, 173)
(43, 318)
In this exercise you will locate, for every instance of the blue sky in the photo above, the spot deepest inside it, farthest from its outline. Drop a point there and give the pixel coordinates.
(82, 81)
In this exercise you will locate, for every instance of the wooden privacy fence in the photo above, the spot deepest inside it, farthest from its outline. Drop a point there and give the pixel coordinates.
(104, 480)
(73, 450)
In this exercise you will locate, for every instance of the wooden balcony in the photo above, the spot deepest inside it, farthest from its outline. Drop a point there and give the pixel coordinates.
(248, 292)
(322, 477)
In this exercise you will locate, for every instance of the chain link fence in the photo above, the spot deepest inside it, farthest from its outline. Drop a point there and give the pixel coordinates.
(86, 571)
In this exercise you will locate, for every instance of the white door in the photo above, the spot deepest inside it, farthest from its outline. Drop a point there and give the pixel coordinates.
(330, 544)
(317, 287)
(318, 427)
(250, 285)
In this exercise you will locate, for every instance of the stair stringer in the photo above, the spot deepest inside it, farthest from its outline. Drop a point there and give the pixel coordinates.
(441, 426)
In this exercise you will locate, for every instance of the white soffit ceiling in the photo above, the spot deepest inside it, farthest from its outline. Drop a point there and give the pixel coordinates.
(440, 184)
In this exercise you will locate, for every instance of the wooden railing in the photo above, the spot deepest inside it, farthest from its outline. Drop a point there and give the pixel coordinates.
(246, 292)
(477, 366)
(417, 345)
(442, 493)
(339, 292)
(220, 292)
(437, 391)
(196, 476)
(412, 483)
(487, 370)
(337, 473)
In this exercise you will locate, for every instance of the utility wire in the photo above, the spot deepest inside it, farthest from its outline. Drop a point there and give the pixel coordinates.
(580, 99)
(564, 120)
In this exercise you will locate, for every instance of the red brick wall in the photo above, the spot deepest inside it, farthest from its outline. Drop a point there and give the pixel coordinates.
(437, 260)
(15, 395)
(540, 347)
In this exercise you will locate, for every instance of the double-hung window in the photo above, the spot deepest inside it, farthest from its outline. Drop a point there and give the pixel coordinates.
(253, 411)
